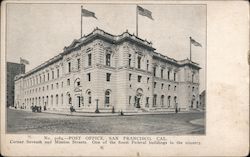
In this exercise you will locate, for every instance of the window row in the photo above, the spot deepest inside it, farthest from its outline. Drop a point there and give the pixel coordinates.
(169, 103)
(162, 86)
(138, 62)
(139, 78)
(41, 78)
(45, 100)
(170, 76)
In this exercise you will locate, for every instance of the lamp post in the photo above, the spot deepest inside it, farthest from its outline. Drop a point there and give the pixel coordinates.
(97, 110)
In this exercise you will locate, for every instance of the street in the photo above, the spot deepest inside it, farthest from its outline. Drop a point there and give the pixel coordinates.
(165, 124)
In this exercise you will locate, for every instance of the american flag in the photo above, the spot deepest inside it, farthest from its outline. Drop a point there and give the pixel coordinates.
(144, 12)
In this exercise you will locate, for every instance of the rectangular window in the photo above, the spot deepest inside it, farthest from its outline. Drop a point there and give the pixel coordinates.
(154, 71)
(68, 82)
(192, 77)
(89, 77)
(147, 64)
(48, 77)
(51, 86)
(129, 99)
(129, 77)
(52, 74)
(78, 63)
(161, 73)
(162, 85)
(56, 99)
(154, 84)
(57, 73)
(139, 78)
(108, 56)
(69, 67)
(139, 62)
(89, 99)
(168, 75)
(129, 60)
(89, 59)
(108, 75)
(147, 79)
(62, 99)
(174, 76)
(154, 100)
(147, 101)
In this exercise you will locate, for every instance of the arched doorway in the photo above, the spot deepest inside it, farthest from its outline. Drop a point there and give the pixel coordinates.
(138, 97)
(169, 101)
(78, 98)
(193, 101)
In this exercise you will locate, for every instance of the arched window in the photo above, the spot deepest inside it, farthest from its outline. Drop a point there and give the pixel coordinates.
(77, 82)
(57, 99)
(107, 98)
(175, 101)
(51, 100)
(169, 101)
(162, 100)
(89, 96)
(47, 100)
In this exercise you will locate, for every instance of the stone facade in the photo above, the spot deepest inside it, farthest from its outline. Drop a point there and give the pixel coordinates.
(121, 73)
(13, 69)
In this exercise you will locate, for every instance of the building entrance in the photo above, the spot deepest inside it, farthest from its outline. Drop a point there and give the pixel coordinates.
(138, 97)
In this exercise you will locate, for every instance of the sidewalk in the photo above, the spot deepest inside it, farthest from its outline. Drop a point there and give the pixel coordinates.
(92, 114)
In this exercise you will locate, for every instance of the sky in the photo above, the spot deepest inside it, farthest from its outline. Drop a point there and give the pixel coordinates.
(37, 32)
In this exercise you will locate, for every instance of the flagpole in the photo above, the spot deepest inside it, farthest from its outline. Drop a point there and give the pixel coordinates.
(81, 21)
(190, 48)
(137, 20)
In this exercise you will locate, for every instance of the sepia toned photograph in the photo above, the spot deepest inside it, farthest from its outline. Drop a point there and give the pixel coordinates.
(136, 69)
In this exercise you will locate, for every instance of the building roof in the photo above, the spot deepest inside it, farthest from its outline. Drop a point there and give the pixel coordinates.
(115, 39)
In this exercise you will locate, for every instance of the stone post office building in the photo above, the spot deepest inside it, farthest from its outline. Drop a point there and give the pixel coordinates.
(122, 72)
